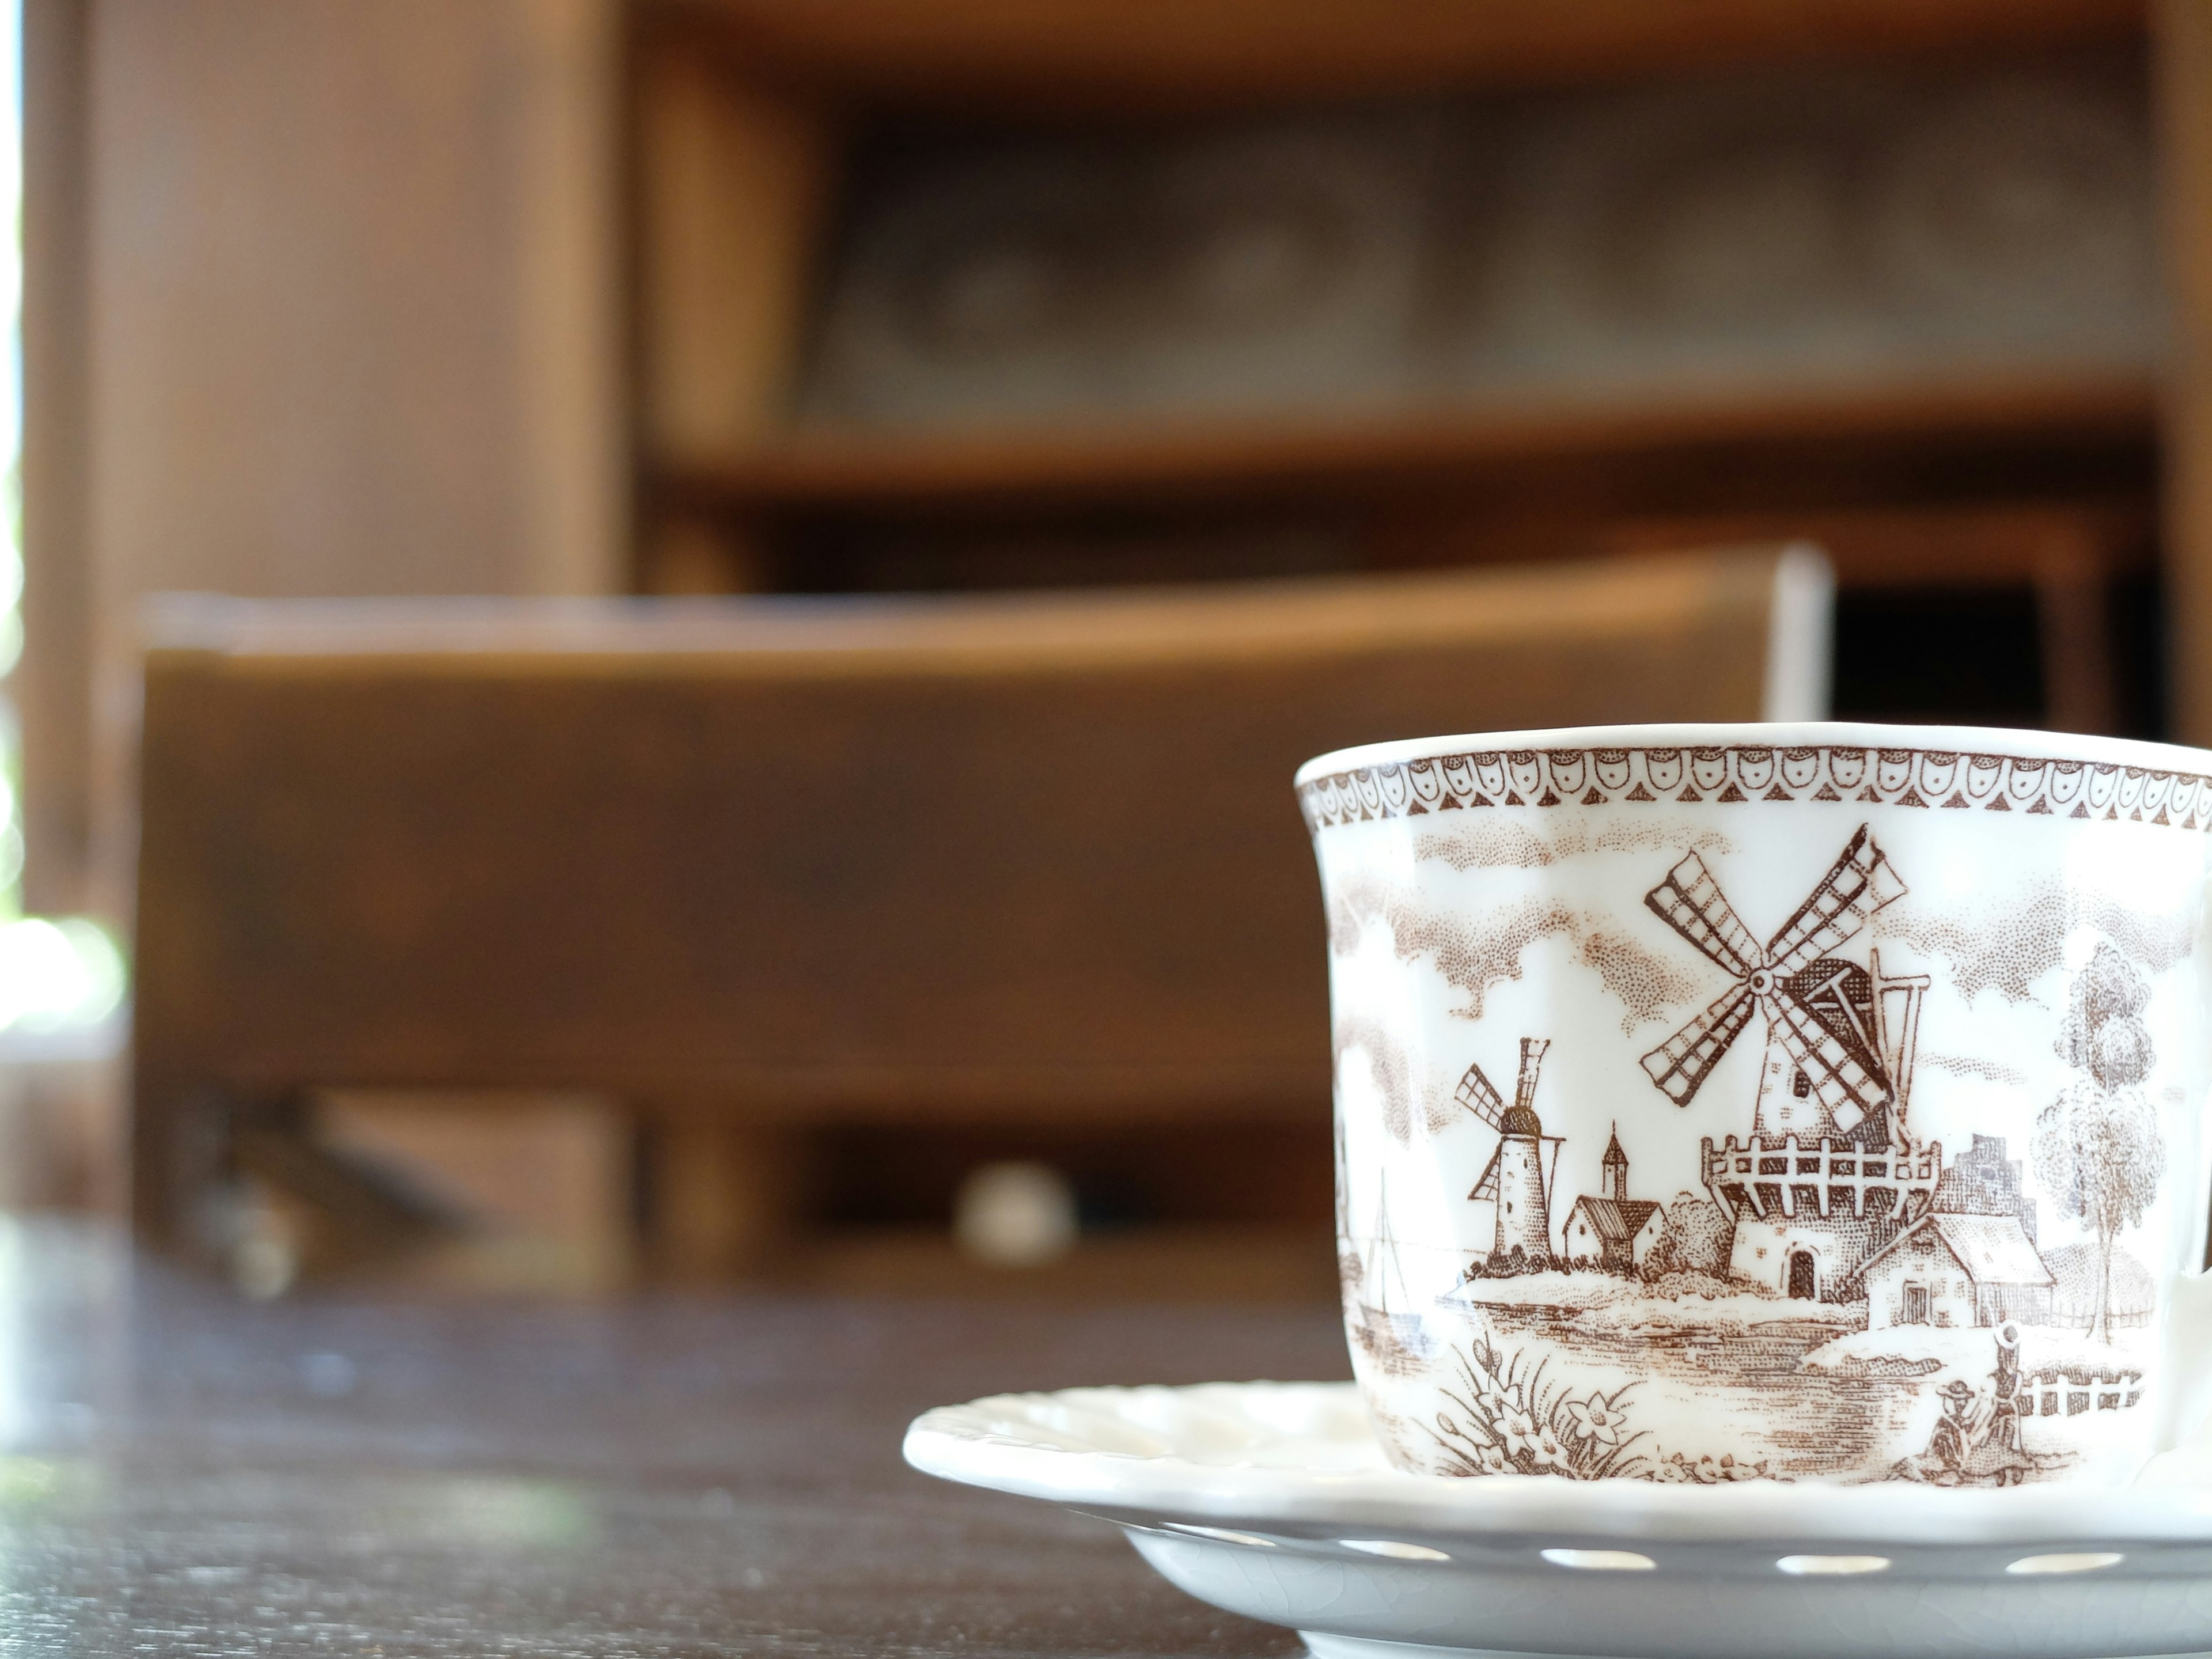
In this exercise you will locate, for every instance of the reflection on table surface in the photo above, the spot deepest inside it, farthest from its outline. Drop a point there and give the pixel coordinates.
(186, 1472)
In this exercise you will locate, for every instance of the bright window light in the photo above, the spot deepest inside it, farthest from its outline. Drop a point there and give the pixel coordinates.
(55, 976)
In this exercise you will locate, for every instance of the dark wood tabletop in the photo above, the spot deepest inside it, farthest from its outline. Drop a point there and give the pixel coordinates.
(186, 1474)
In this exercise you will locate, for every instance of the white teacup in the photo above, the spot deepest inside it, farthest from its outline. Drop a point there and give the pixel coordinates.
(1808, 1101)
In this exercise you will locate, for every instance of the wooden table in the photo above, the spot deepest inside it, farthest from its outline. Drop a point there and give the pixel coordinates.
(189, 1474)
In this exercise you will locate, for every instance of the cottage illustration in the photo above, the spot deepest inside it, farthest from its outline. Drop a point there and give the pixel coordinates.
(1983, 1181)
(1957, 1270)
(1613, 1232)
(1518, 1179)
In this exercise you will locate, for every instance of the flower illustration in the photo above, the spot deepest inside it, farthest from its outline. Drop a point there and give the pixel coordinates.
(1506, 1418)
(1547, 1451)
(1494, 1399)
(1520, 1428)
(1596, 1419)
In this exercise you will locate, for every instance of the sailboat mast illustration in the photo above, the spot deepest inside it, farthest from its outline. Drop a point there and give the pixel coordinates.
(1343, 1186)
(1393, 1334)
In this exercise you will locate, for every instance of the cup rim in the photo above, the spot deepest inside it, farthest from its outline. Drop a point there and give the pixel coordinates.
(2013, 742)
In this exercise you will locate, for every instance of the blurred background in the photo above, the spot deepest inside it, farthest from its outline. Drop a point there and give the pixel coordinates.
(411, 299)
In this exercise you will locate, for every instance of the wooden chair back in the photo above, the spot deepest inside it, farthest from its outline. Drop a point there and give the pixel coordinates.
(805, 860)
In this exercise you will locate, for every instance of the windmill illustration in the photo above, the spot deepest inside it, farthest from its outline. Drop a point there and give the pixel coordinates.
(1519, 1176)
(1836, 1054)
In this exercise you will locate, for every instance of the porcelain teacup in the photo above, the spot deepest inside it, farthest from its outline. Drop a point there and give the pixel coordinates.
(1797, 1103)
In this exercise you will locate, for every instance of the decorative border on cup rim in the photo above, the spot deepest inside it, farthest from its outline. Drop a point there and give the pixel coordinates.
(1937, 779)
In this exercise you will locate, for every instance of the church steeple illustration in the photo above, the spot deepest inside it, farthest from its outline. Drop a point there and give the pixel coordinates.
(1616, 1169)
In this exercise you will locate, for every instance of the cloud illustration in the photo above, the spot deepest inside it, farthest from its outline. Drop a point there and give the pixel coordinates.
(1648, 986)
(1393, 1076)
(1989, 1071)
(1485, 843)
(1481, 842)
(2009, 947)
(1476, 956)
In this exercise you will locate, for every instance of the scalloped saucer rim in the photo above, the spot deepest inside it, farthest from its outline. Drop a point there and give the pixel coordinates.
(1298, 1455)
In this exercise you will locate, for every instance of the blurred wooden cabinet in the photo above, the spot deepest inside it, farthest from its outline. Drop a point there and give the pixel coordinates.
(708, 296)
(698, 297)
(947, 296)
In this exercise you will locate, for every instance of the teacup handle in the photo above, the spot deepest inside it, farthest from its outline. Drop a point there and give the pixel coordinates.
(2185, 1401)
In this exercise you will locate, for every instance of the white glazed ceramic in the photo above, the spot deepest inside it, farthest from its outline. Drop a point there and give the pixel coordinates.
(1274, 1500)
(1797, 1103)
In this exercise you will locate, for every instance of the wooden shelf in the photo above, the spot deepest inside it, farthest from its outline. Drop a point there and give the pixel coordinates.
(940, 470)
(1048, 55)
(1187, 1263)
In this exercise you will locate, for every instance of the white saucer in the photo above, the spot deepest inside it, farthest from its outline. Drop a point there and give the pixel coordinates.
(1272, 1500)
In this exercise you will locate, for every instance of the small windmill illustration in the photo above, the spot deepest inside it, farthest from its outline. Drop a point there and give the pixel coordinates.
(1830, 1061)
(1519, 1176)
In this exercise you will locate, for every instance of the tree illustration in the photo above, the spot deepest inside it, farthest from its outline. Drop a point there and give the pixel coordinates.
(2097, 1148)
(1702, 1232)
